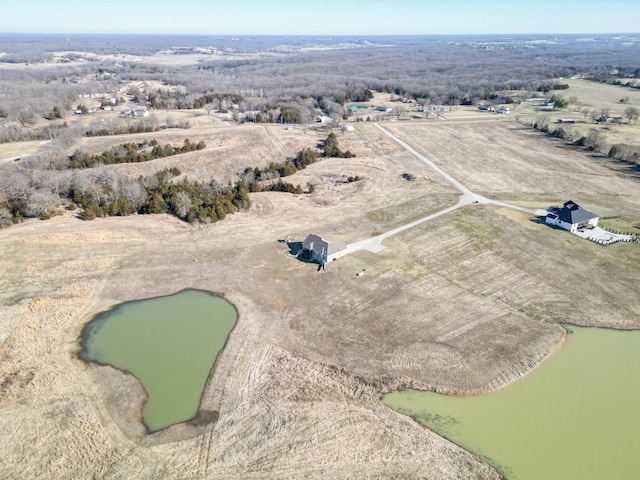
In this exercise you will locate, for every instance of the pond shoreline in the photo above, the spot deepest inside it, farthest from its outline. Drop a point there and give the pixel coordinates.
(132, 407)
(577, 415)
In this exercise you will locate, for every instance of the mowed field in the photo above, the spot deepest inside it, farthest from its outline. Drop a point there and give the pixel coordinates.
(463, 304)
(508, 161)
(601, 95)
(12, 150)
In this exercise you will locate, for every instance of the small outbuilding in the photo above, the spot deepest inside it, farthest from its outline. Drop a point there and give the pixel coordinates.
(323, 250)
(135, 113)
(572, 217)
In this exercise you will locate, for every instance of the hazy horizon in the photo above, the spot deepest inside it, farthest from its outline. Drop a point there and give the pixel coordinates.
(330, 17)
(586, 35)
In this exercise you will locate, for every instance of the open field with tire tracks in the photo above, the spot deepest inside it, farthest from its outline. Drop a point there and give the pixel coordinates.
(464, 303)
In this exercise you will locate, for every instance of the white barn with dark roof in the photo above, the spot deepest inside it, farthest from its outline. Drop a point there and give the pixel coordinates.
(572, 217)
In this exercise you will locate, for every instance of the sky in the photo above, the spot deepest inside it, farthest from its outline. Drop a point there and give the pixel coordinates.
(320, 17)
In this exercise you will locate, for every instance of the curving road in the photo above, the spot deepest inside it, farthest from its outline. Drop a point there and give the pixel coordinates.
(374, 244)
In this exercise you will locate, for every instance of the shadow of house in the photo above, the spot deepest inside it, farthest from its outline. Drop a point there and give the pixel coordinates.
(296, 250)
(294, 247)
(322, 250)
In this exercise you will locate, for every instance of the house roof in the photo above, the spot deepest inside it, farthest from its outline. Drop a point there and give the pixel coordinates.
(573, 213)
(322, 246)
(312, 241)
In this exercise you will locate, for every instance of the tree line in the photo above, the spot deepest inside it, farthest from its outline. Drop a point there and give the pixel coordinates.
(131, 153)
(155, 194)
(593, 141)
(42, 184)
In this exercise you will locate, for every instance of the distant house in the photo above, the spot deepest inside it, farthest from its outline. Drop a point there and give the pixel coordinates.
(566, 120)
(605, 119)
(615, 120)
(435, 108)
(384, 109)
(571, 217)
(324, 119)
(488, 108)
(323, 250)
(503, 111)
(135, 113)
(346, 127)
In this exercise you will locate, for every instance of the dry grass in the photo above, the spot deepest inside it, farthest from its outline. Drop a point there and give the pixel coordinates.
(591, 96)
(507, 161)
(463, 304)
(230, 149)
(15, 149)
(600, 95)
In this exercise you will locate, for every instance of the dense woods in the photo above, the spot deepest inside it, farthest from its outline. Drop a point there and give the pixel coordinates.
(285, 79)
(189, 201)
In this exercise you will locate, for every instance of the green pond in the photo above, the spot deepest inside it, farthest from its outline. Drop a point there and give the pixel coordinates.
(168, 343)
(577, 416)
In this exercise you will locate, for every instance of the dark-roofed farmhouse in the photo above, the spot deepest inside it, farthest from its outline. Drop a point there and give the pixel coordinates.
(572, 217)
(323, 250)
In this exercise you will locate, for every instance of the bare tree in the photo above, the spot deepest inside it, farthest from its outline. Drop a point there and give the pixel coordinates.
(6, 218)
(306, 117)
(595, 115)
(399, 110)
(542, 122)
(632, 114)
(41, 202)
(15, 185)
(82, 183)
(57, 182)
(182, 204)
(594, 140)
(134, 194)
(209, 107)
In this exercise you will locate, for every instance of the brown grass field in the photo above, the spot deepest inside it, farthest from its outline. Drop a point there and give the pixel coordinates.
(600, 95)
(463, 304)
(15, 149)
(590, 96)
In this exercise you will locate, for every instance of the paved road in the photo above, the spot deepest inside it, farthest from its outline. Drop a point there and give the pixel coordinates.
(374, 244)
